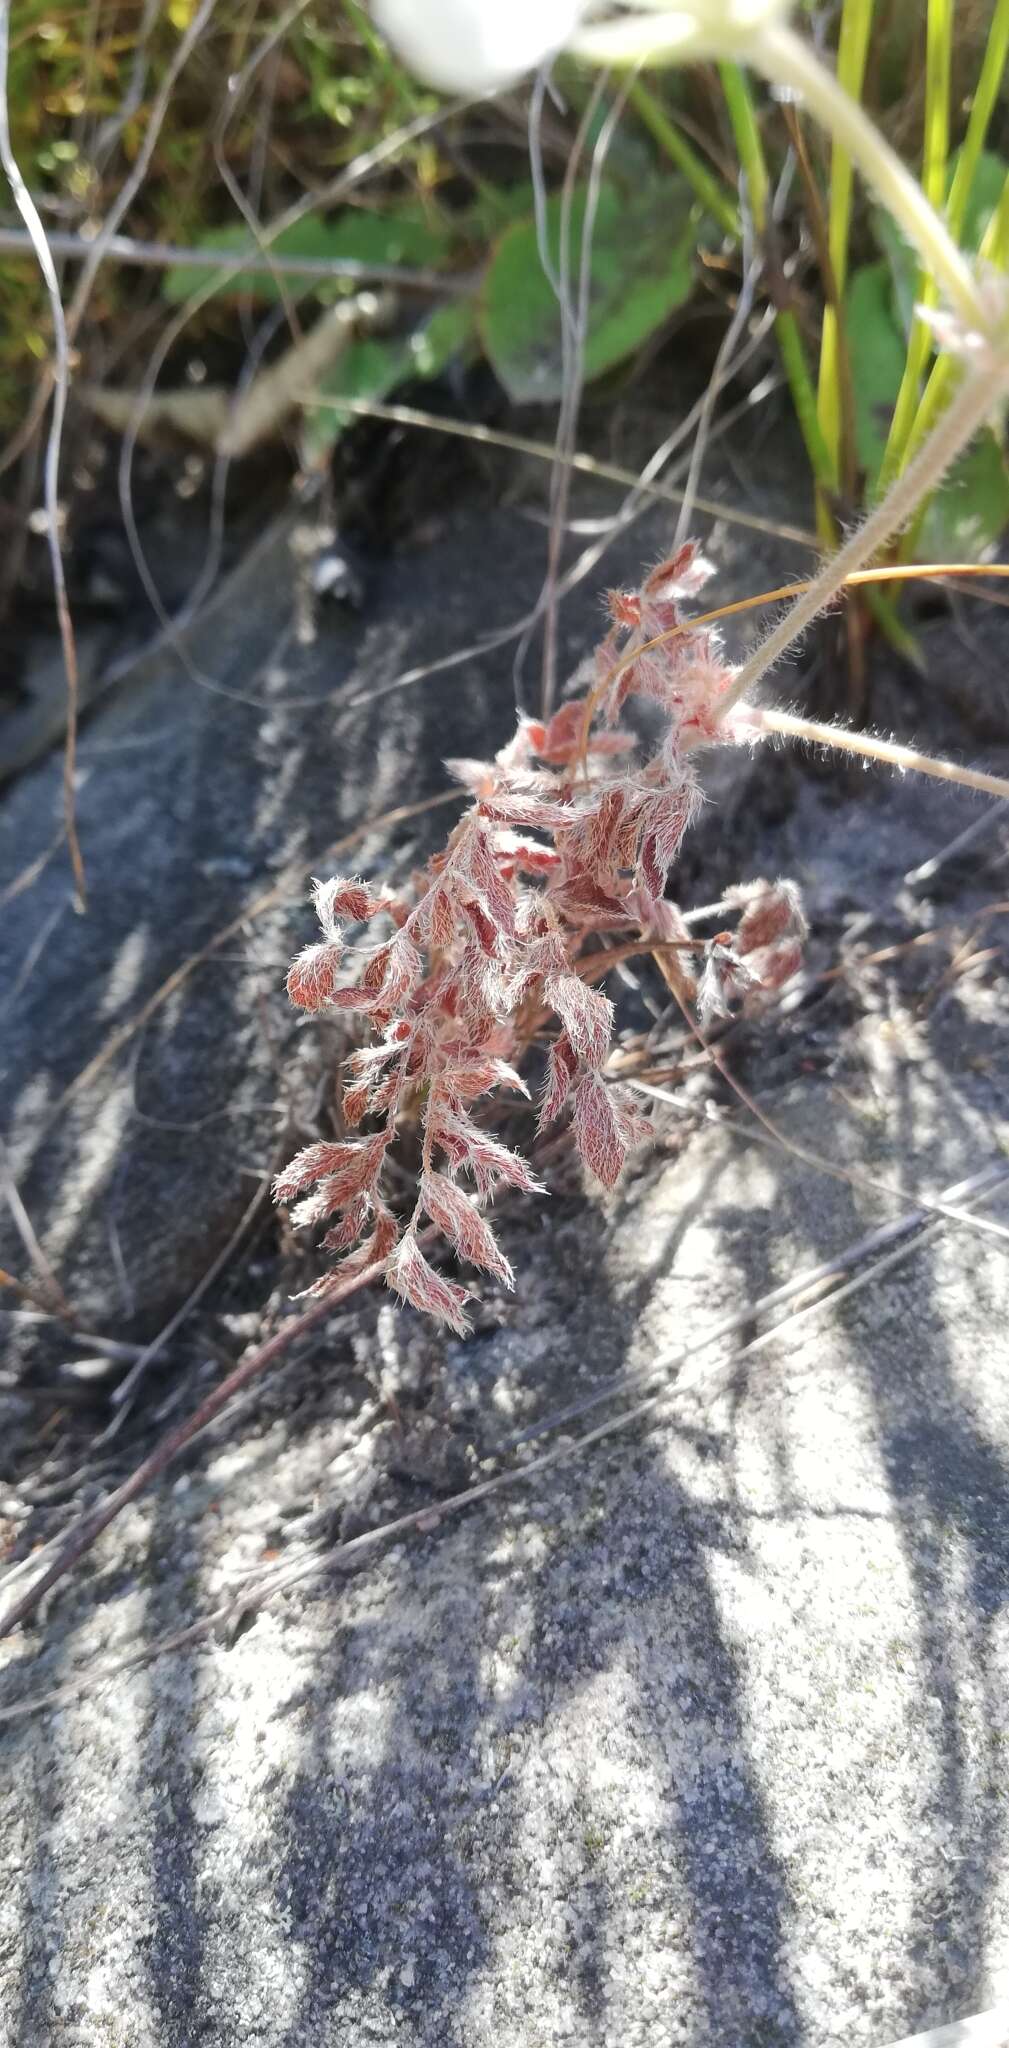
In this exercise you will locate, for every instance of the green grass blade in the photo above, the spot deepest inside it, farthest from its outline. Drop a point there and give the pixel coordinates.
(800, 384)
(945, 372)
(746, 134)
(671, 139)
(853, 45)
(938, 64)
(750, 150)
(993, 65)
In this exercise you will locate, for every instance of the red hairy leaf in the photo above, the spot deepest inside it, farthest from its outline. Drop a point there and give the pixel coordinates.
(774, 965)
(559, 842)
(311, 978)
(667, 574)
(486, 932)
(599, 1130)
(624, 607)
(461, 1222)
(489, 884)
(314, 1163)
(586, 1015)
(410, 1276)
(352, 900)
(773, 911)
(435, 919)
(477, 776)
(403, 970)
(524, 856)
(468, 1145)
(342, 1171)
(477, 1076)
(520, 809)
(562, 1067)
(346, 1233)
(355, 1102)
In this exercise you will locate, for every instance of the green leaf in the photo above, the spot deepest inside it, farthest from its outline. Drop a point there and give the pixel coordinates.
(450, 331)
(376, 365)
(905, 262)
(972, 508)
(641, 268)
(985, 193)
(405, 237)
(877, 349)
(494, 208)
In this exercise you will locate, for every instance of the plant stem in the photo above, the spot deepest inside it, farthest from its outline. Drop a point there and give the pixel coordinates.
(853, 45)
(939, 55)
(873, 748)
(985, 95)
(86, 1531)
(739, 102)
(800, 384)
(994, 250)
(784, 59)
(979, 393)
(746, 134)
(682, 153)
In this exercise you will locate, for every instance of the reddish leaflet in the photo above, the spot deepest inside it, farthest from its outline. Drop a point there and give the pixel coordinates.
(563, 839)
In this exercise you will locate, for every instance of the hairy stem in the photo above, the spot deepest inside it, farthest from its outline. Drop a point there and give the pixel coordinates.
(975, 400)
(873, 748)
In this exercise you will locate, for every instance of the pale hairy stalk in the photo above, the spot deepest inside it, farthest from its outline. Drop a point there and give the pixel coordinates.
(786, 61)
(872, 748)
(976, 399)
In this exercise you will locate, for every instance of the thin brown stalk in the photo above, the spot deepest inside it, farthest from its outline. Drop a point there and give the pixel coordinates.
(48, 1284)
(89, 1527)
(611, 472)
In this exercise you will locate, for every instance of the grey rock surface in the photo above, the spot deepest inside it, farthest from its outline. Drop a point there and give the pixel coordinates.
(697, 1736)
(694, 1736)
(211, 788)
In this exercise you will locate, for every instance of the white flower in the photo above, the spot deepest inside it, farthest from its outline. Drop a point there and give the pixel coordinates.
(476, 46)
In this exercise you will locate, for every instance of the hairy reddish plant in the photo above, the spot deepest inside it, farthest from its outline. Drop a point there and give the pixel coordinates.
(565, 837)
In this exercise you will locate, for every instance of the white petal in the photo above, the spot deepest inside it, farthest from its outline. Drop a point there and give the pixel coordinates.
(475, 46)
